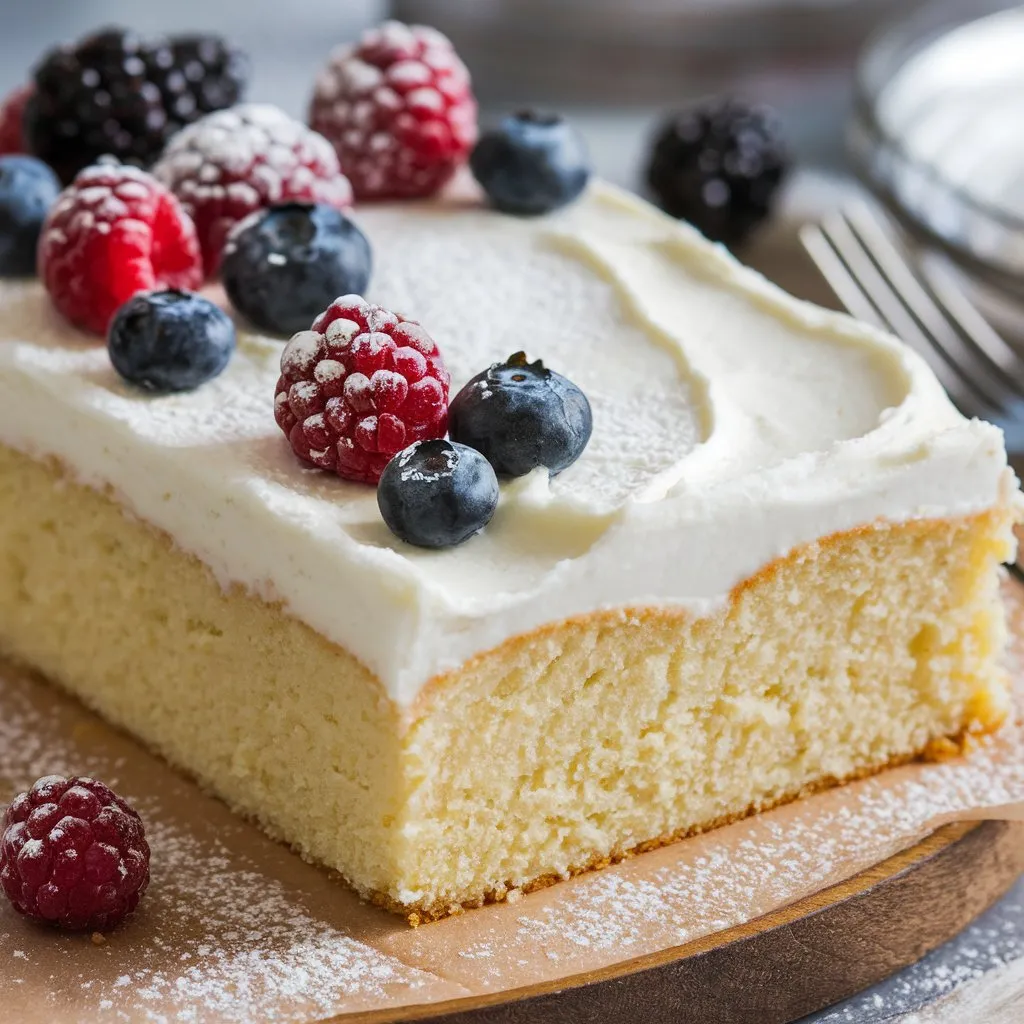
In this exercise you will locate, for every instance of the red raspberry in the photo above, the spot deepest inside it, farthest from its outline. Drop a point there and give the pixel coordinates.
(399, 108)
(358, 387)
(233, 162)
(113, 232)
(73, 854)
(12, 138)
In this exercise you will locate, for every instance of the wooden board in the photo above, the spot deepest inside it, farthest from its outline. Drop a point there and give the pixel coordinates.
(787, 964)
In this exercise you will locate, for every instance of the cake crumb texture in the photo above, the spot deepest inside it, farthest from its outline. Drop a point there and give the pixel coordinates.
(564, 748)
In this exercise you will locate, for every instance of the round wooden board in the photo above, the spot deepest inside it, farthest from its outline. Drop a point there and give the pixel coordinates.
(784, 965)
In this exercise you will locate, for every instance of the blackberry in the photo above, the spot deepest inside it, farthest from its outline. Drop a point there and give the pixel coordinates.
(520, 415)
(216, 73)
(117, 93)
(719, 164)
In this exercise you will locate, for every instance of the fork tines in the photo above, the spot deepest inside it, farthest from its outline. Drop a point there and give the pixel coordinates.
(859, 254)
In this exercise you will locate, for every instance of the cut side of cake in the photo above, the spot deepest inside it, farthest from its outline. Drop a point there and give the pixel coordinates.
(774, 568)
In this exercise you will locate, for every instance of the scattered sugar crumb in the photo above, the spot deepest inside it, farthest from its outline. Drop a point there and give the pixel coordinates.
(262, 955)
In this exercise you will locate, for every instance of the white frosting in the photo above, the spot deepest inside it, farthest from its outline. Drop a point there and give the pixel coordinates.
(731, 423)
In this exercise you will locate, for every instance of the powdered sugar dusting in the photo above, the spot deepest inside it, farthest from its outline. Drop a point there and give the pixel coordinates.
(215, 938)
(398, 108)
(235, 161)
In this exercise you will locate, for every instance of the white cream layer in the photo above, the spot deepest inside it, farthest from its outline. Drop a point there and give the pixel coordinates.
(732, 423)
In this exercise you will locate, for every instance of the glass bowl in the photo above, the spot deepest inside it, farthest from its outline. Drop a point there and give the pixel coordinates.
(938, 136)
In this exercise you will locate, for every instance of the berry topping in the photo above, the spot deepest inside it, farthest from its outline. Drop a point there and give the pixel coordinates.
(436, 494)
(170, 341)
(234, 162)
(119, 94)
(28, 188)
(719, 164)
(73, 854)
(215, 74)
(399, 108)
(521, 415)
(531, 164)
(282, 266)
(358, 388)
(114, 232)
(12, 110)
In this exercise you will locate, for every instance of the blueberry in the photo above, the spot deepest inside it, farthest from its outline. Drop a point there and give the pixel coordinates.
(436, 494)
(28, 188)
(531, 164)
(521, 415)
(283, 266)
(170, 341)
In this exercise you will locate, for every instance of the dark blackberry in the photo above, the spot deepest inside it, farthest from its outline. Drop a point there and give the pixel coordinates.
(216, 73)
(115, 92)
(718, 164)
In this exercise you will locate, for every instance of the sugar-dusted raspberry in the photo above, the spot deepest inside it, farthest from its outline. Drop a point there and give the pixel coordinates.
(234, 162)
(73, 854)
(114, 232)
(399, 108)
(358, 387)
(12, 134)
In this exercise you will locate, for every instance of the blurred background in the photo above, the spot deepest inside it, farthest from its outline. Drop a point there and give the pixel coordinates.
(612, 64)
(907, 95)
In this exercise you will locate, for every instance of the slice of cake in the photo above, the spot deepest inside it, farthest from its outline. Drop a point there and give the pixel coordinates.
(773, 567)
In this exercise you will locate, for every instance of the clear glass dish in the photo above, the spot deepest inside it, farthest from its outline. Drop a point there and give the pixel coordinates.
(938, 135)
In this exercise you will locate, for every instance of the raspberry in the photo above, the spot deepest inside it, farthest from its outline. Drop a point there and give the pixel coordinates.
(358, 387)
(12, 135)
(114, 232)
(234, 162)
(73, 854)
(399, 109)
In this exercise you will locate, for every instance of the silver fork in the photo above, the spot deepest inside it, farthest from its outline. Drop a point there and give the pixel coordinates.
(861, 256)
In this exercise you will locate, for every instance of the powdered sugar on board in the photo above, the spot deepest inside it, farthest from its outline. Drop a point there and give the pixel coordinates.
(225, 933)
(235, 927)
